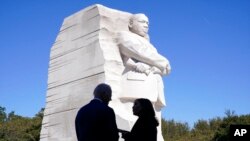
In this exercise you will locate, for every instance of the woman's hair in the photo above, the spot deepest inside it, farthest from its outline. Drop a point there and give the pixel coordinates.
(147, 110)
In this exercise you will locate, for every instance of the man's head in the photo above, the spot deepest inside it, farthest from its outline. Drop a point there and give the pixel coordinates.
(138, 24)
(103, 92)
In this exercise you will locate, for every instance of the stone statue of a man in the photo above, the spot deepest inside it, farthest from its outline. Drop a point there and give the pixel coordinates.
(144, 66)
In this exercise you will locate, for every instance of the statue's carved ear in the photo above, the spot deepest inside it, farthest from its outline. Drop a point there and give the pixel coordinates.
(130, 23)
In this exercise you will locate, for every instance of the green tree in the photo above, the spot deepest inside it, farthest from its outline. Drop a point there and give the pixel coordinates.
(215, 129)
(222, 132)
(175, 131)
(3, 115)
(202, 131)
(18, 128)
(35, 128)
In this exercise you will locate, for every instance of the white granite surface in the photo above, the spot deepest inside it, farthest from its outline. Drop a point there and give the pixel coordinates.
(85, 54)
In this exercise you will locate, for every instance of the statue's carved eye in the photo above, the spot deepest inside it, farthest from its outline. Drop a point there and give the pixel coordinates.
(143, 22)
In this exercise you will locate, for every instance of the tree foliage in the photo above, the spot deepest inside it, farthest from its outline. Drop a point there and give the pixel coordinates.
(17, 128)
(175, 131)
(216, 129)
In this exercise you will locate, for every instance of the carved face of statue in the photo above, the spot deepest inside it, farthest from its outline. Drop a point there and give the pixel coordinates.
(139, 24)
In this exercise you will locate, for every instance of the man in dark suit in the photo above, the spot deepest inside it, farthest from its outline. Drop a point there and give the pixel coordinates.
(96, 120)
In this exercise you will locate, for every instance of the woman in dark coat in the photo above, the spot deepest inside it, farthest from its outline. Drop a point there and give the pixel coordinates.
(145, 128)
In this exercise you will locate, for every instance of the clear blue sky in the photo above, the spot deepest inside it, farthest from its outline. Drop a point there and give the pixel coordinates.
(206, 41)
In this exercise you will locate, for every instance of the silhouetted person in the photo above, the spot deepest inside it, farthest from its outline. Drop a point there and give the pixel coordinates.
(145, 128)
(96, 120)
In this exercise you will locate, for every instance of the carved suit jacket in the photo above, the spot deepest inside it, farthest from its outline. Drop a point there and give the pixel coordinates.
(134, 46)
(141, 50)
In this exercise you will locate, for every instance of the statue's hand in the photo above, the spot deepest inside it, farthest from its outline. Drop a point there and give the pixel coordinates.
(142, 68)
(167, 70)
(156, 70)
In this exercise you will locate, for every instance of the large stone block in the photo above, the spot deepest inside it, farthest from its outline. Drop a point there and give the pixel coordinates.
(85, 53)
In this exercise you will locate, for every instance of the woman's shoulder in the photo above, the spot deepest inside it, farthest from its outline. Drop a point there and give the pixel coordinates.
(149, 121)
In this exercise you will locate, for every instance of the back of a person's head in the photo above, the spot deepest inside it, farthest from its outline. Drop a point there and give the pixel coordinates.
(102, 91)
